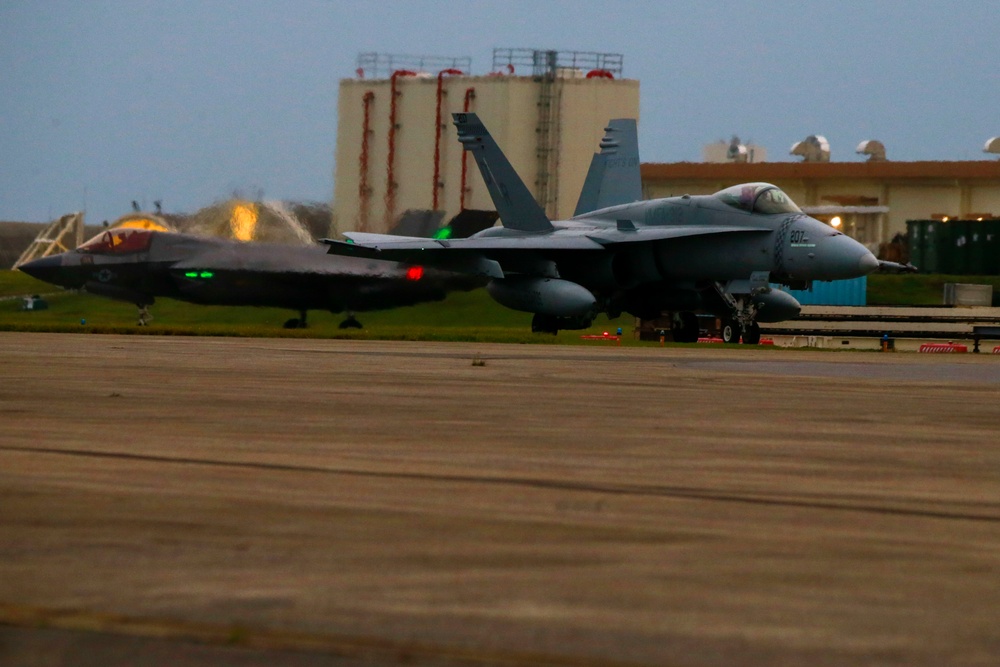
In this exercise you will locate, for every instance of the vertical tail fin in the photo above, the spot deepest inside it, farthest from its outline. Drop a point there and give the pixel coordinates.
(517, 208)
(613, 177)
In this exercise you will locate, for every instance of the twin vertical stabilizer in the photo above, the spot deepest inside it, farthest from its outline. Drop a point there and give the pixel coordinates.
(614, 176)
(517, 208)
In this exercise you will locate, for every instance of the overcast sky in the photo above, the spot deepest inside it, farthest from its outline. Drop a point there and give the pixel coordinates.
(189, 101)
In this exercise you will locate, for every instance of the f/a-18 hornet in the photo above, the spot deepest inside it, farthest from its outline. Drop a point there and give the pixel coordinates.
(719, 253)
(137, 265)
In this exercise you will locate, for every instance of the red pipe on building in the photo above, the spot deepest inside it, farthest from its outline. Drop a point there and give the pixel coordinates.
(470, 94)
(390, 182)
(600, 74)
(437, 134)
(365, 192)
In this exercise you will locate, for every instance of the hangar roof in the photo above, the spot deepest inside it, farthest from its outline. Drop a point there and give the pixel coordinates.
(774, 171)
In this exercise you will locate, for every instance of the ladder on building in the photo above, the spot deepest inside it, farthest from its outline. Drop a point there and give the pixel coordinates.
(548, 130)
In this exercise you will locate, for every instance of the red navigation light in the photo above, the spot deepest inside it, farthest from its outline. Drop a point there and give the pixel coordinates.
(415, 273)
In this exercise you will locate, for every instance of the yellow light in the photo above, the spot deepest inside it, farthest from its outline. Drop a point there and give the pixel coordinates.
(945, 219)
(835, 222)
(244, 221)
(980, 219)
(142, 223)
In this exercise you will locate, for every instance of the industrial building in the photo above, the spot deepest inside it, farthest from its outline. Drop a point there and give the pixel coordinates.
(397, 149)
(870, 201)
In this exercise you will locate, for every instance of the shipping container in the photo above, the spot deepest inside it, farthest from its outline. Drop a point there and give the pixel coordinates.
(925, 245)
(975, 249)
(990, 240)
(834, 293)
(952, 247)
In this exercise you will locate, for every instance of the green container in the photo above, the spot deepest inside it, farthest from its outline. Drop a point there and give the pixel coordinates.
(975, 253)
(923, 237)
(954, 248)
(915, 232)
(991, 247)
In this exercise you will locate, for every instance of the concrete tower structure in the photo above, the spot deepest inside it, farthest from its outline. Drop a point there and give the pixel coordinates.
(397, 149)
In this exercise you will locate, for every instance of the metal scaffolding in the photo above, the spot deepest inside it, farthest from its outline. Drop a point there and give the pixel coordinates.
(61, 235)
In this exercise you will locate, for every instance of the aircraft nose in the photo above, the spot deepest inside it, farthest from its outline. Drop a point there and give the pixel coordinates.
(46, 268)
(867, 263)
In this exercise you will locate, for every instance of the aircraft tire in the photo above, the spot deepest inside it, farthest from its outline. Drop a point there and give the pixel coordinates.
(684, 327)
(350, 323)
(730, 331)
(292, 323)
(544, 324)
(752, 335)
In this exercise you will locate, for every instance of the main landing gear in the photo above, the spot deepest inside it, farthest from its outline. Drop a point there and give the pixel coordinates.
(350, 322)
(145, 317)
(551, 324)
(740, 324)
(299, 323)
(684, 327)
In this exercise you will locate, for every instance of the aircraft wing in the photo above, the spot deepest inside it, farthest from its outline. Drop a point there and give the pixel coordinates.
(475, 256)
(486, 256)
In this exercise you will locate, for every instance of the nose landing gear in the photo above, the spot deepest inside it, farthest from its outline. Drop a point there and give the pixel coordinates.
(741, 323)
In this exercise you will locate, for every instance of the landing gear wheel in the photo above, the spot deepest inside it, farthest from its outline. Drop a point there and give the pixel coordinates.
(752, 335)
(684, 327)
(350, 323)
(299, 323)
(544, 324)
(730, 331)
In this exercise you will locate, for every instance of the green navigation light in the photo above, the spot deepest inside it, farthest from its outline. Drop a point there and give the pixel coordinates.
(206, 274)
(442, 234)
(191, 274)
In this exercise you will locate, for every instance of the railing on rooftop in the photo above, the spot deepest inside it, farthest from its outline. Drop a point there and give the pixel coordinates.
(547, 61)
(371, 65)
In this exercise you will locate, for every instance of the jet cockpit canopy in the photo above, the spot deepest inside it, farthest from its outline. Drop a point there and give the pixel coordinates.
(119, 241)
(758, 198)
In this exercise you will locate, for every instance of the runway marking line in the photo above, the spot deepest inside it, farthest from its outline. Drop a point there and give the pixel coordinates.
(684, 493)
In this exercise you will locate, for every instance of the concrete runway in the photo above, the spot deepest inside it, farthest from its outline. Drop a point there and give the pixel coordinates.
(304, 502)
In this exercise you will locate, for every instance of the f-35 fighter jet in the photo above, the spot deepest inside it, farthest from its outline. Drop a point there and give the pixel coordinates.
(719, 253)
(138, 265)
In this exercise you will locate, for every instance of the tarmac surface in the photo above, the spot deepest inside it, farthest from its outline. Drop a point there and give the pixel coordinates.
(207, 501)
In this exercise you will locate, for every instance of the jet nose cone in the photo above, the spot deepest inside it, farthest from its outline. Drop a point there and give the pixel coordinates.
(867, 263)
(46, 268)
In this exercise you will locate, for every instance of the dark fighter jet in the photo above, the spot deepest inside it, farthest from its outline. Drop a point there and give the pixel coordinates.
(137, 265)
(718, 253)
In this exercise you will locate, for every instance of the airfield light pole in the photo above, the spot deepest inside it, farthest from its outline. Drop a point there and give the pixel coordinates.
(437, 133)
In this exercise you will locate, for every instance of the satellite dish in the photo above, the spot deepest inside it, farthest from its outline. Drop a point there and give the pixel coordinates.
(873, 148)
(992, 145)
(814, 148)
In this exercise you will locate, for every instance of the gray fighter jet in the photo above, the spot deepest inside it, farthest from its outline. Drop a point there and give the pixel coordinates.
(718, 253)
(138, 265)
